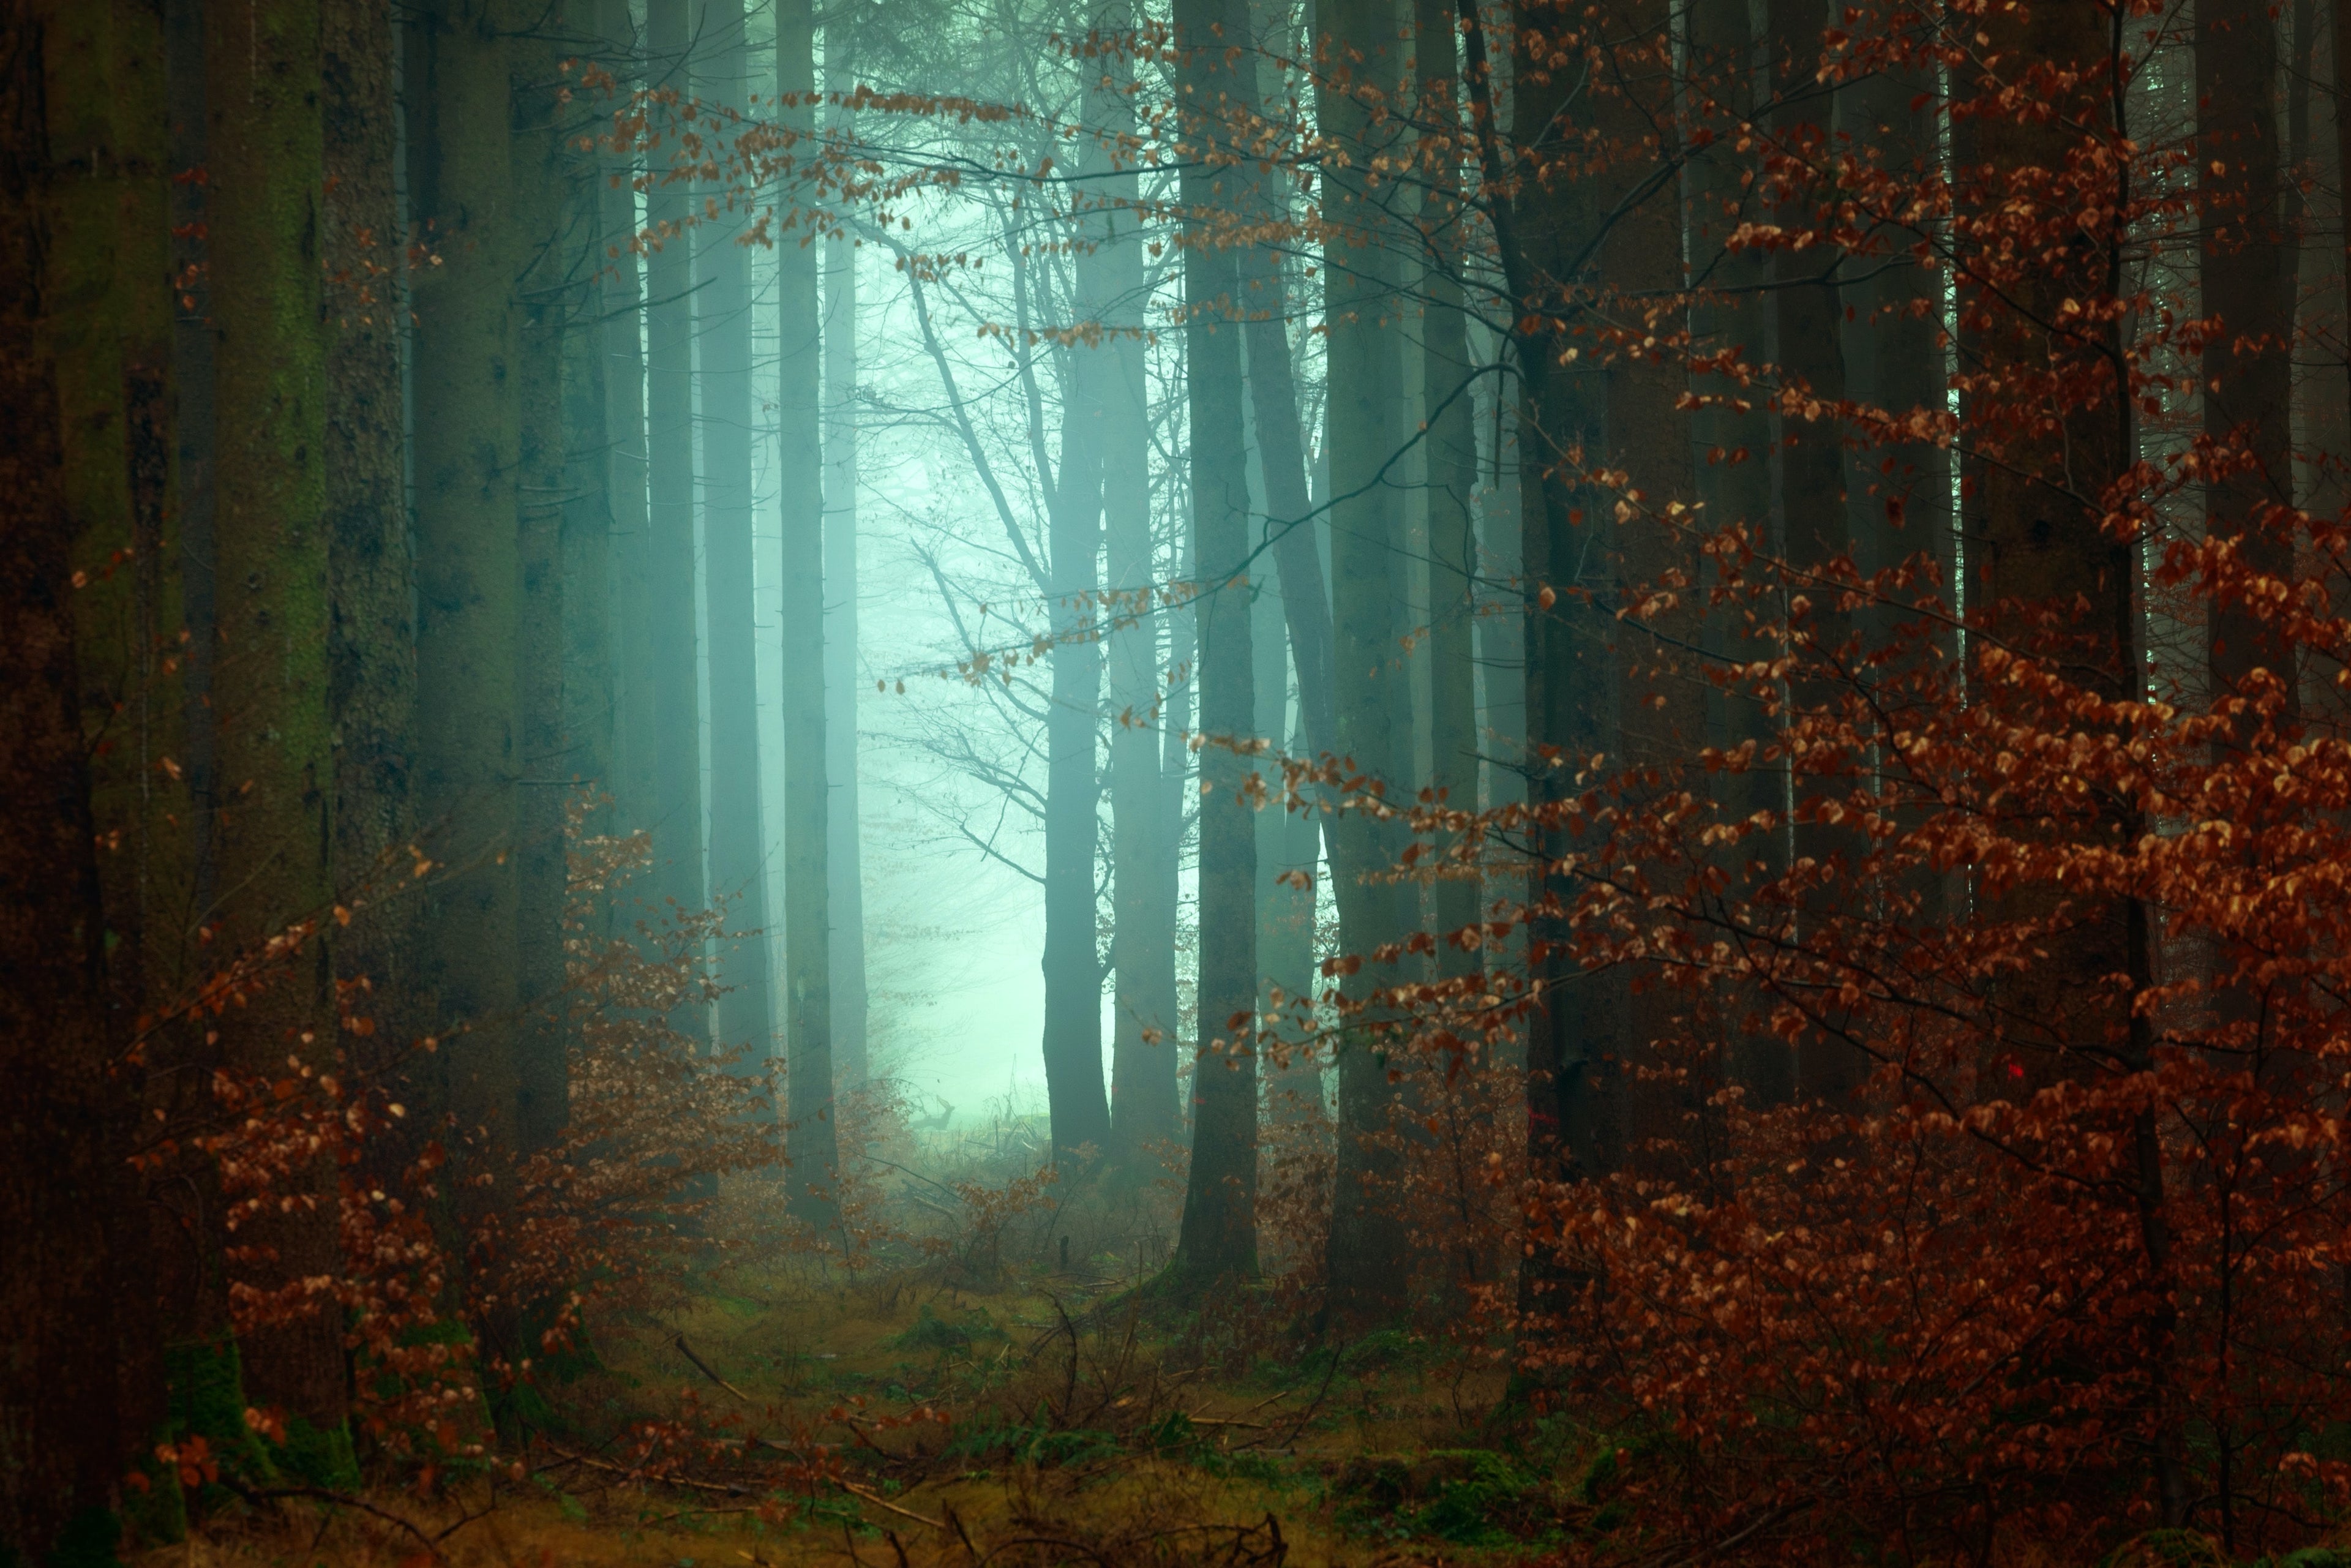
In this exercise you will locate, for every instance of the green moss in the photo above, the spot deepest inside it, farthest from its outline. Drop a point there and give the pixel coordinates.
(317, 1456)
(206, 1384)
(158, 1515)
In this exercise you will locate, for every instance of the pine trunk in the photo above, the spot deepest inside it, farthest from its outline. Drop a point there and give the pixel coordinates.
(814, 1141)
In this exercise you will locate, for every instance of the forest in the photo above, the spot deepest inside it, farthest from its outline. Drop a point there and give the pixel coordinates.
(1092, 784)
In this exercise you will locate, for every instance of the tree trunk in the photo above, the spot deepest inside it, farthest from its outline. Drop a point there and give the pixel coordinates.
(2248, 372)
(59, 1159)
(851, 1067)
(372, 667)
(636, 681)
(739, 858)
(814, 1144)
(1367, 1243)
(669, 448)
(1144, 1108)
(1447, 376)
(276, 824)
(1808, 319)
(466, 453)
(1073, 1075)
(1219, 1234)
(547, 764)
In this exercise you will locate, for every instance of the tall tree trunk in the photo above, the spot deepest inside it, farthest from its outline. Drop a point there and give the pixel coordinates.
(1219, 1234)
(1365, 402)
(2248, 372)
(60, 1159)
(669, 465)
(738, 857)
(850, 1066)
(272, 530)
(814, 1144)
(1895, 350)
(1808, 318)
(2032, 514)
(372, 667)
(466, 454)
(546, 763)
(1073, 1075)
(591, 700)
(1447, 374)
(1144, 1107)
(637, 682)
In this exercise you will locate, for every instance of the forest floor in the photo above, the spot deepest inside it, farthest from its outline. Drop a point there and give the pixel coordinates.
(1052, 1417)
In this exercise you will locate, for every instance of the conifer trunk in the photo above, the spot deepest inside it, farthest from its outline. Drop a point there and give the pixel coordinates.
(274, 824)
(722, 309)
(372, 666)
(669, 463)
(814, 1141)
(64, 1456)
(844, 861)
(636, 685)
(466, 455)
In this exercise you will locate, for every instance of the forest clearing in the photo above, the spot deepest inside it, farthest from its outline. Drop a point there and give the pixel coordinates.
(1175, 783)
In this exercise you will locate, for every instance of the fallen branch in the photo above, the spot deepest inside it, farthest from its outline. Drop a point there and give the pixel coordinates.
(687, 1351)
(853, 1489)
(721, 1487)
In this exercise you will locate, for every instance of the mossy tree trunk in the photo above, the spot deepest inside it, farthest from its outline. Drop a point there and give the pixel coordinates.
(274, 825)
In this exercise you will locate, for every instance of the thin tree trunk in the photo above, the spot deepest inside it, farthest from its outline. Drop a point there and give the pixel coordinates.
(547, 764)
(1451, 440)
(721, 306)
(669, 448)
(272, 530)
(1366, 1265)
(591, 698)
(1219, 1234)
(636, 680)
(814, 1142)
(1144, 1108)
(1808, 317)
(1073, 1075)
(851, 1067)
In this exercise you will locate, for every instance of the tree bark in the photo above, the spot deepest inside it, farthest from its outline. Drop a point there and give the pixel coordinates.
(1143, 1104)
(1366, 1260)
(739, 849)
(274, 824)
(814, 1143)
(59, 1157)
(669, 447)
(637, 685)
(1217, 1238)
(851, 1067)
(466, 455)
(372, 667)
